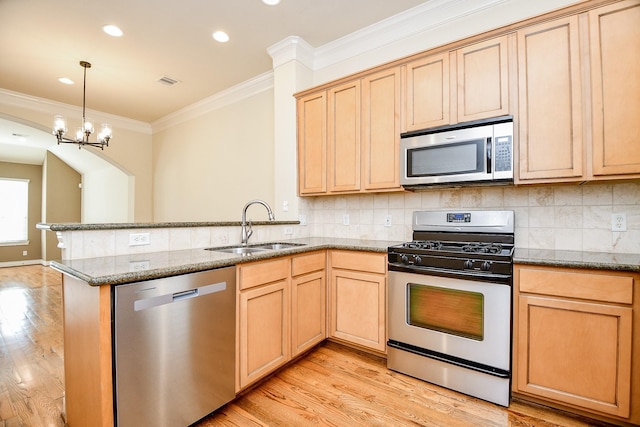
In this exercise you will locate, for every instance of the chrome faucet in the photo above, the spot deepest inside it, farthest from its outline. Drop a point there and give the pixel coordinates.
(247, 231)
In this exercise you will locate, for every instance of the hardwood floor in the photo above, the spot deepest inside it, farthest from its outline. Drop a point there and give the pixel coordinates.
(31, 357)
(330, 386)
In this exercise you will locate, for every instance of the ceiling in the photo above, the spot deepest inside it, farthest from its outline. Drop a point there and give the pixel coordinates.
(43, 40)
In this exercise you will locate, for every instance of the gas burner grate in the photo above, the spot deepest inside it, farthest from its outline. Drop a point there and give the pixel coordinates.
(485, 248)
(423, 244)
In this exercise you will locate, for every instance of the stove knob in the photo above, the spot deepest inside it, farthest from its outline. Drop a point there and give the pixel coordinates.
(417, 259)
(485, 266)
(404, 259)
(468, 264)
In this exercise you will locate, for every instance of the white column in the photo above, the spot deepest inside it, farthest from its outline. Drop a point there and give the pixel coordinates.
(292, 72)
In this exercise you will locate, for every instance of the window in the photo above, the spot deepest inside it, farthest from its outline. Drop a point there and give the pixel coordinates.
(14, 194)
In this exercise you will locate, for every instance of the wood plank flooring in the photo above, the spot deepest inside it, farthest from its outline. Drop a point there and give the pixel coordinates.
(332, 385)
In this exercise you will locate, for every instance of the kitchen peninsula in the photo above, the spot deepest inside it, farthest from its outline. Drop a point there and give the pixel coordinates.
(89, 282)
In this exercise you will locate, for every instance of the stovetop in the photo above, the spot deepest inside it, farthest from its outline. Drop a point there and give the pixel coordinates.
(478, 243)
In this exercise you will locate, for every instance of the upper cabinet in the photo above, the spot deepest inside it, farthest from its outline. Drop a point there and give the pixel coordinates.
(570, 78)
(614, 41)
(457, 86)
(579, 96)
(483, 80)
(550, 113)
(312, 143)
(349, 136)
(427, 92)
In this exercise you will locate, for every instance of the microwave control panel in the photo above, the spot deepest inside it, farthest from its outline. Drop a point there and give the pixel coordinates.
(502, 153)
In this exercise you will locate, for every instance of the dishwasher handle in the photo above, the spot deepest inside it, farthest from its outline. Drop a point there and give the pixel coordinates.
(185, 295)
(145, 303)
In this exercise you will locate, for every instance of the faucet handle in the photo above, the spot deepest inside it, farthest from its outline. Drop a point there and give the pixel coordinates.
(249, 230)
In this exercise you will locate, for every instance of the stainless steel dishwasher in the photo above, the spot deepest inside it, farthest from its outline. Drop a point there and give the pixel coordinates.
(174, 348)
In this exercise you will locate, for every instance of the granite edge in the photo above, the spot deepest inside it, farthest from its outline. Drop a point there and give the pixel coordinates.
(142, 225)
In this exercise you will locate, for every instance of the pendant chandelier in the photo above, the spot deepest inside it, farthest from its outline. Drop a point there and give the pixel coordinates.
(85, 131)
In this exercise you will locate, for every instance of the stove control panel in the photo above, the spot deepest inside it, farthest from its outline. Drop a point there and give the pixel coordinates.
(459, 217)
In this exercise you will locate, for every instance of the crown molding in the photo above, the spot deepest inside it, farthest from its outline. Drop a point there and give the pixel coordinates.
(43, 105)
(292, 48)
(221, 99)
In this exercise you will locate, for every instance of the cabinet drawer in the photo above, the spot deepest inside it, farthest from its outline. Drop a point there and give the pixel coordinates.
(585, 284)
(360, 261)
(260, 273)
(307, 263)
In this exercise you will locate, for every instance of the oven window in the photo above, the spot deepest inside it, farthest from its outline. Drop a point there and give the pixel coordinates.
(445, 310)
(450, 159)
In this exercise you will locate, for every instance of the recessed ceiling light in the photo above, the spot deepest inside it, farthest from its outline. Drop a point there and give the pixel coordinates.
(112, 30)
(221, 36)
(65, 80)
(271, 2)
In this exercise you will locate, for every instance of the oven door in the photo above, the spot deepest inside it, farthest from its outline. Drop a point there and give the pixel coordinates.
(451, 319)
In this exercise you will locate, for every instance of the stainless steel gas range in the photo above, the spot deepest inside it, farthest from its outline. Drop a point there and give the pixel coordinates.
(450, 298)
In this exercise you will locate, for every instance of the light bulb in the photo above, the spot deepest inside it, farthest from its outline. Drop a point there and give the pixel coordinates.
(59, 125)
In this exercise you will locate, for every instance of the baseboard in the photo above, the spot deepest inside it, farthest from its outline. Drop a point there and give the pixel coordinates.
(26, 262)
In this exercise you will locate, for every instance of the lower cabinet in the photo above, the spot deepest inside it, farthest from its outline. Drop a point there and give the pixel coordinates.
(358, 298)
(573, 339)
(281, 312)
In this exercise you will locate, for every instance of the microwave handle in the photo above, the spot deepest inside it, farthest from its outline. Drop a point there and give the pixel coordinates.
(489, 155)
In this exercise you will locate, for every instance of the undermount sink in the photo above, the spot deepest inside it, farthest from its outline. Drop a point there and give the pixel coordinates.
(248, 250)
(237, 250)
(277, 246)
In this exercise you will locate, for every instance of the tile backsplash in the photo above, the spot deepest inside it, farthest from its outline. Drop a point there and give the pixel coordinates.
(564, 217)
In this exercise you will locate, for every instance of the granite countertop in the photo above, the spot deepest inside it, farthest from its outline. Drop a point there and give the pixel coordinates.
(578, 259)
(117, 270)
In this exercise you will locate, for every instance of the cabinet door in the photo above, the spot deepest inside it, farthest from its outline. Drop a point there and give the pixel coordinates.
(381, 130)
(264, 330)
(427, 92)
(575, 352)
(312, 143)
(551, 140)
(483, 80)
(358, 303)
(344, 137)
(308, 311)
(615, 79)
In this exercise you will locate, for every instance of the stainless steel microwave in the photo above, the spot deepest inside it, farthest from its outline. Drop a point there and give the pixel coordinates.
(479, 152)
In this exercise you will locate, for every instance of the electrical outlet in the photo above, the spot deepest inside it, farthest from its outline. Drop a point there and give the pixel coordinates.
(303, 219)
(137, 239)
(345, 219)
(288, 230)
(139, 265)
(285, 206)
(387, 221)
(619, 222)
(24, 253)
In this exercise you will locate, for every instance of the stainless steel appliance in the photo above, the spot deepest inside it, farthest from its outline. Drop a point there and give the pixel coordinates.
(479, 152)
(174, 348)
(450, 297)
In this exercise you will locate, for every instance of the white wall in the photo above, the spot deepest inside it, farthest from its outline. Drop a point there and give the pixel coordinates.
(208, 167)
(105, 196)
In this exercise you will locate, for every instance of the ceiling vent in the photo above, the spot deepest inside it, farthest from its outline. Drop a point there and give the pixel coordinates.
(168, 81)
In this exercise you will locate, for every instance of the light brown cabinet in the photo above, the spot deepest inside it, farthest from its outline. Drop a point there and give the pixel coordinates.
(427, 92)
(312, 143)
(483, 80)
(574, 337)
(358, 298)
(281, 312)
(469, 83)
(263, 318)
(344, 125)
(550, 113)
(614, 41)
(308, 301)
(349, 135)
(570, 73)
